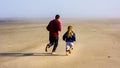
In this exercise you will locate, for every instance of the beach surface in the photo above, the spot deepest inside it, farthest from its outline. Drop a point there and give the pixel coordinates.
(22, 45)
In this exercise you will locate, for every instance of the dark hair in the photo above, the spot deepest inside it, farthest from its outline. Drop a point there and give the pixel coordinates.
(57, 16)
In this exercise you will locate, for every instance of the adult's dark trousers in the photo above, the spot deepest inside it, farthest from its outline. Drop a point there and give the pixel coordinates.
(53, 41)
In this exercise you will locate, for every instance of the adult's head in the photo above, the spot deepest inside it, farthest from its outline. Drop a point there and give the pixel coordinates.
(57, 16)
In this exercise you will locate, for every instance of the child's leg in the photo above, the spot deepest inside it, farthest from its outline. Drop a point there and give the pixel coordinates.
(67, 46)
(71, 45)
(68, 51)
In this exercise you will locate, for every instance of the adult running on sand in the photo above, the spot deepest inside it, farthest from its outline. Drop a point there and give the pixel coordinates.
(53, 27)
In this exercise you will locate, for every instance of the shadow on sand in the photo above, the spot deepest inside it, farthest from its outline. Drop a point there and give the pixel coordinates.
(29, 54)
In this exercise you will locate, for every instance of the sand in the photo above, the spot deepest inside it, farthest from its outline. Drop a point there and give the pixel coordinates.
(98, 45)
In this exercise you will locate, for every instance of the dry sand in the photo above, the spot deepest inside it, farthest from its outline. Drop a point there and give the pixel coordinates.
(97, 45)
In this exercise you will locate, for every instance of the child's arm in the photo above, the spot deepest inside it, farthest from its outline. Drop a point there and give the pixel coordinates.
(74, 36)
(64, 37)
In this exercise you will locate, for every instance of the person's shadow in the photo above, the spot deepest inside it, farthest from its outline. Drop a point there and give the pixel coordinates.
(29, 54)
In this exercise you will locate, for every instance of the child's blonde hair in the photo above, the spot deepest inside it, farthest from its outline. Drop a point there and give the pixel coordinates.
(70, 32)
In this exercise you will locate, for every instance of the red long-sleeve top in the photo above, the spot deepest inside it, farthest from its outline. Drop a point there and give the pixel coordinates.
(53, 27)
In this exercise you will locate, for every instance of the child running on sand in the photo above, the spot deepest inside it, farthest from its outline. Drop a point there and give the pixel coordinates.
(69, 37)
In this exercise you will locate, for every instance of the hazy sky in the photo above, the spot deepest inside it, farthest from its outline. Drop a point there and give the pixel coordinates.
(66, 8)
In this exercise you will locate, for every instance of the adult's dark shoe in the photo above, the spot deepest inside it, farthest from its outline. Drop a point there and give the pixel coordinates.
(47, 46)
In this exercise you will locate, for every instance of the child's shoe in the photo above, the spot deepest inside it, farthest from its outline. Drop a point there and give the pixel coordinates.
(67, 53)
(71, 48)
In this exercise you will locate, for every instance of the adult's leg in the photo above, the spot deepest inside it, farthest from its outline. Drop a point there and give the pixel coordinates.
(51, 42)
(55, 45)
